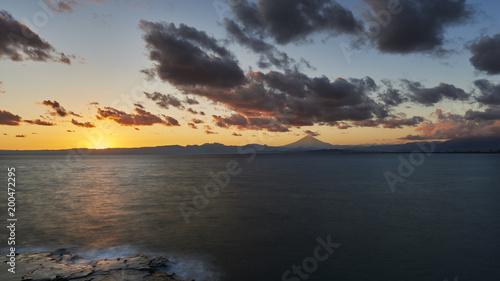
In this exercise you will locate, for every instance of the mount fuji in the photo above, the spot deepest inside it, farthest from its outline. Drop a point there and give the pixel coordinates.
(310, 142)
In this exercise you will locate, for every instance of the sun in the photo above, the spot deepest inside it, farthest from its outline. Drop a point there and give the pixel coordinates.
(100, 145)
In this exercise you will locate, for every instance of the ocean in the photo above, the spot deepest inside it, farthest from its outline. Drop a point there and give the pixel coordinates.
(273, 217)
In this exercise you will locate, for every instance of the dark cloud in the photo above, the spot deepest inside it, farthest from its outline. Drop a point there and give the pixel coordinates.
(20, 136)
(164, 101)
(294, 99)
(191, 101)
(19, 43)
(82, 124)
(192, 126)
(140, 118)
(429, 96)
(184, 56)
(236, 134)
(70, 131)
(139, 105)
(390, 123)
(197, 121)
(391, 96)
(210, 132)
(9, 119)
(253, 123)
(486, 54)
(489, 93)
(488, 114)
(192, 111)
(311, 133)
(343, 126)
(287, 21)
(58, 109)
(393, 123)
(269, 54)
(170, 121)
(419, 27)
(413, 137)
(451, 126)
(39, 122)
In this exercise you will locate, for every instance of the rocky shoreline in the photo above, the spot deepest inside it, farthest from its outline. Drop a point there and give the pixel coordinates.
(64, 266)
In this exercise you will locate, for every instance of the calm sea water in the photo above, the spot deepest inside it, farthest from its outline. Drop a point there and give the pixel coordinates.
(442, 222)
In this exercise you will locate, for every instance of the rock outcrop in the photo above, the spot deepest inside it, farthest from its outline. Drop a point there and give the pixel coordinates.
(64, 266)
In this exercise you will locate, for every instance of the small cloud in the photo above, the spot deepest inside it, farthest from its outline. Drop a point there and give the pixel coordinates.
(82, 124)
(141, 117)
(104, 19)
(236, 134)
(192, 111)
(20, 136)
(412, 137)
(164, 101)
(61, 6)
(192, 126)
(39, 122)
(58, 109)
(311, 133)
(70, 131)
(210, 132)
(191, 101)
(9, 119)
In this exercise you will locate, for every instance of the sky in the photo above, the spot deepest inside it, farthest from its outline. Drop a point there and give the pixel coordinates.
(101, 73)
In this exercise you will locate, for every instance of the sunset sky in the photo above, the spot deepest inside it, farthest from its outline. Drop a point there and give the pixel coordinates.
(98, 73)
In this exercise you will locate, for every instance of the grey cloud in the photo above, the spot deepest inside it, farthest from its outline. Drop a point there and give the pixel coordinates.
(488, 114)
(164, 101)
(269, 54)
(289, 21)
(19, 43)
(486, 54)
(419, 27)
(184, 56)
(489, 93)
(429, 96)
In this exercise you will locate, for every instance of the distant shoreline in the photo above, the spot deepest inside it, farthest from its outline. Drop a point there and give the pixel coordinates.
(466, 145)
